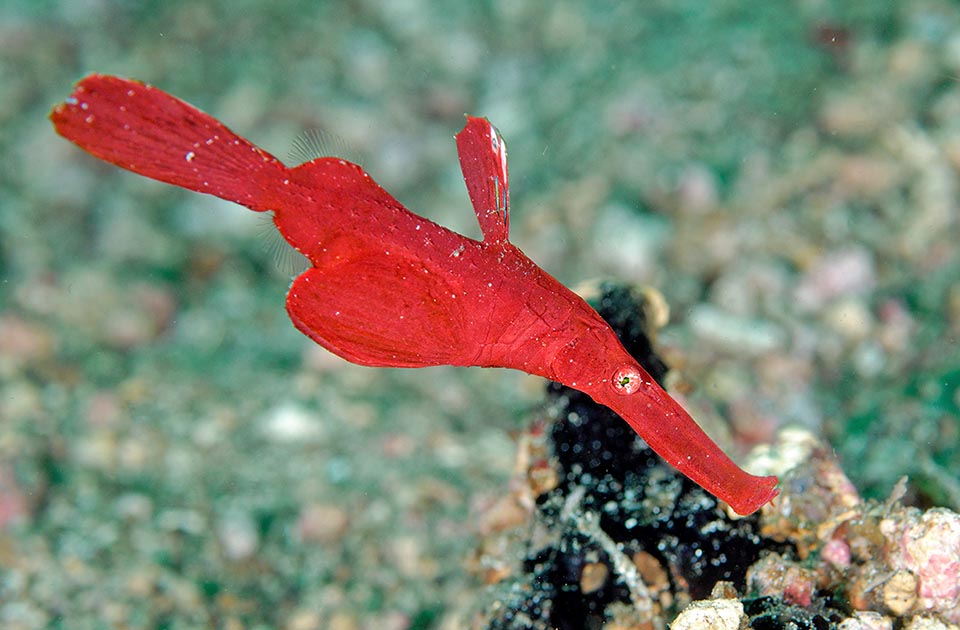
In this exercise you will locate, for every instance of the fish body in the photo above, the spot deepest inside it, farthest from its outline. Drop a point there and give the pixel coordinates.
(388, 288)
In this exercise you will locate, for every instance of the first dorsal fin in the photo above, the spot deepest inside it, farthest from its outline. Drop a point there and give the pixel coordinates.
(483, 160)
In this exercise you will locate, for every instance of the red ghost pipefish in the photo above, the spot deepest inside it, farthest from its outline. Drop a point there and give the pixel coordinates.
(389, 288)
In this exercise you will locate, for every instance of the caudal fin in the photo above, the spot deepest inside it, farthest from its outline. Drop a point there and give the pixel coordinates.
(145, 130)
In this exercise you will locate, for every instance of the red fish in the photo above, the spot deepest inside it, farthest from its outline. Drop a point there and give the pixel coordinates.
(389, 288)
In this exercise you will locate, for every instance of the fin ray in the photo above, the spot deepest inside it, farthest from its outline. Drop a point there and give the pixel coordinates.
(319, 143)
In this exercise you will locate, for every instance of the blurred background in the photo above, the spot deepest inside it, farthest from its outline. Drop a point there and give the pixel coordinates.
(173, 454)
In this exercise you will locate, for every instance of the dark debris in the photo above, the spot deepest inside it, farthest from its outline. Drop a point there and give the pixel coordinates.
(644, 506)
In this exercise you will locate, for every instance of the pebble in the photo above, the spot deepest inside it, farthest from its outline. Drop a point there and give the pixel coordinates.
(133, 506)
(290, 423)
(183, 520)
(593, 576)
(238, 535)
(867, 176)
(861, 114)
(697, 190)
(929, 623)
(628, 243)
(748, 290)
(900, 592)
(342, 621)
(735, 334)
(928, 546)
(304, 620)
(409, 558)
(322, 523)
(844, 272)
(391, 621)
(21, 400)
(866, 620)
(104, 410)
(837, 553)
(653, 573)
(14, 504)
(505, 513)
(774, 576)
(897, 326)
(97, 450)
(714, 614)
(141, 315)
(23, 342)
(850, 318)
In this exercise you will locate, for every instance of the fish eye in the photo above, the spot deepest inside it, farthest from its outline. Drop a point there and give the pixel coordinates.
(626, 380)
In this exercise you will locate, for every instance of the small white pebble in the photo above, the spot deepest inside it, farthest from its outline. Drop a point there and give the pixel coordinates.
(290, 423)
(238, 535)
(714, 614)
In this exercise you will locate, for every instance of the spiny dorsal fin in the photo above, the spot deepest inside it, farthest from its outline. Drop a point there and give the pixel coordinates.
(483, 160)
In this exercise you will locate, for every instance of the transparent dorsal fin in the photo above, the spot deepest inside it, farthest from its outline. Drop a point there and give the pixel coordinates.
(316, 143)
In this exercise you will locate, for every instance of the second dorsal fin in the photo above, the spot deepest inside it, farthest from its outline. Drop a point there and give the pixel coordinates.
(483, 160)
